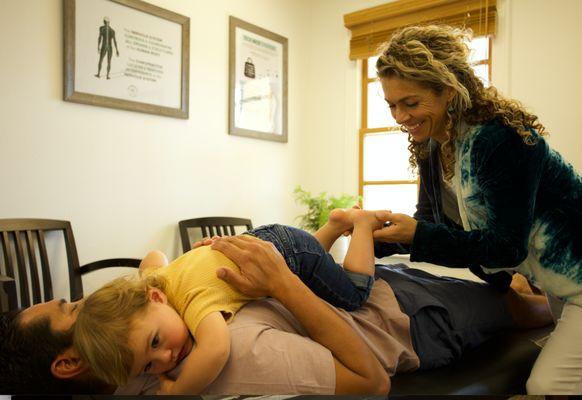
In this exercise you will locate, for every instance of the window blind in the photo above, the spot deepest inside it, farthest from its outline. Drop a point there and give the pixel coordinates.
(373, 26)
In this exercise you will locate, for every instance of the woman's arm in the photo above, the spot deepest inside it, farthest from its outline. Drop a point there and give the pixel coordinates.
(384, 243)
(205, 361)
(265, 273)
(507, 180)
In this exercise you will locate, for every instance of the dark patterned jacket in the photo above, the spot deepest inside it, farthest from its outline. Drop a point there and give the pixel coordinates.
(521, 207)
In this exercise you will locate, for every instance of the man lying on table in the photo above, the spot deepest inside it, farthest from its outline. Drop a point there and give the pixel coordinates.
(292, 342)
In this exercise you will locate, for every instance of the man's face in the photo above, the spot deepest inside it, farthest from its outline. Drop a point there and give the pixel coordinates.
(62, 314)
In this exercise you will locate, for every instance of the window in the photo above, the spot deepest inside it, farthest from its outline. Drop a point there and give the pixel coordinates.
(385, 178)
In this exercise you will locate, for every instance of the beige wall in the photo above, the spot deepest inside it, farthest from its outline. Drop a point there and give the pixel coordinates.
(125, 179)
(536, 59)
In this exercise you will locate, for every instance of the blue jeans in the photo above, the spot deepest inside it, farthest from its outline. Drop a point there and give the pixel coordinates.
(316, 268)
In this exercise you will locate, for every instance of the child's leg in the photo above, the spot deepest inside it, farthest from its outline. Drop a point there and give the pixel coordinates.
(360, 255)
(307, 258)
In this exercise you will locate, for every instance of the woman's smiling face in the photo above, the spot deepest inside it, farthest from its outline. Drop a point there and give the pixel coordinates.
(419, 109)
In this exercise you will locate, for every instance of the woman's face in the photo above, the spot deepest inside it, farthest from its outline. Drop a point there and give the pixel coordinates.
(417, 108)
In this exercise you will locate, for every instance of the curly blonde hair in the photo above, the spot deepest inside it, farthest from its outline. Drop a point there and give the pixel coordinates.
(101, 332)
(437, 57)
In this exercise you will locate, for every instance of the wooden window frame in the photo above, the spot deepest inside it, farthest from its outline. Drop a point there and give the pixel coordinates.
(364, 130)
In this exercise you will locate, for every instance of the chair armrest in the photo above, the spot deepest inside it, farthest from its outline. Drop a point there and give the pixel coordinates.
(8, 300)
(108, 263)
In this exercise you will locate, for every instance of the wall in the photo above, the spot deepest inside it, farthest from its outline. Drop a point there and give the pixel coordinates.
(535, 56)
(536, 59)
(334, 113)
(125, 179)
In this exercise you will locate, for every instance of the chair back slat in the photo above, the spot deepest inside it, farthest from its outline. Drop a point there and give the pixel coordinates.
(33, 267)
(44, 262)
(7, 250)
(8, 298)
(21, 267)
(211, 226)
(204, 231)
(232, 231)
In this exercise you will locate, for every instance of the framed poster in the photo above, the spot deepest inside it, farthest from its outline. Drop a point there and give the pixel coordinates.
(126, 54)
(257, 82)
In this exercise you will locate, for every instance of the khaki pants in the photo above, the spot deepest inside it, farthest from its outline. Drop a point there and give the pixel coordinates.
(558, 369)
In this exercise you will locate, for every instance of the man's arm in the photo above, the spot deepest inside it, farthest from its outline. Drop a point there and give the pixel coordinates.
(265, 273)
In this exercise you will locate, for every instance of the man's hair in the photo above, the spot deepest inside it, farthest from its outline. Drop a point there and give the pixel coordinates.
(26, 354)
(105, 321)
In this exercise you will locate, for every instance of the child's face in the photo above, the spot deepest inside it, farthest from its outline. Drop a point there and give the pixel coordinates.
(159, 338)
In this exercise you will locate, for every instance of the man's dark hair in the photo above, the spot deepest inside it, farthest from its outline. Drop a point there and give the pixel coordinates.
(26, 354)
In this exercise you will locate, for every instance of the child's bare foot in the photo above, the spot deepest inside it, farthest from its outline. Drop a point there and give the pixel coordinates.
(373, 219)
(520, 284)
(340, 219)
(344, 219)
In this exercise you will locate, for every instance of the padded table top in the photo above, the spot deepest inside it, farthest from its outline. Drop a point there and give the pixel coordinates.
(499, 366)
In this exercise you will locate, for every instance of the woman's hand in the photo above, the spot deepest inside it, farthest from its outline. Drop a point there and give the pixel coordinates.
(401, 230)
(264, 271)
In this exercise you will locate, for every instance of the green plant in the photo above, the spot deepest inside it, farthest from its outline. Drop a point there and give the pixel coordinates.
(319, 207)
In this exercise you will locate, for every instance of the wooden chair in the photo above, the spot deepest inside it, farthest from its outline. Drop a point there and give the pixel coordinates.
(211, 226)
(25, 274)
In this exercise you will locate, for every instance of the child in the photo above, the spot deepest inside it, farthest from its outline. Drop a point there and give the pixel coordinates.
(131, 327)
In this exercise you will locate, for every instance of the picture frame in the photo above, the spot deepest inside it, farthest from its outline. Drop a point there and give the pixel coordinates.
(258, 62)
(127, 54)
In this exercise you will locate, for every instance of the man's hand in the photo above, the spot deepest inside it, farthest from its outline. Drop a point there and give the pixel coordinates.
(264, 271)
(401, 230)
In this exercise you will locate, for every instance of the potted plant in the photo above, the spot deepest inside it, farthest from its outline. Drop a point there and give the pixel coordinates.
(318, 209)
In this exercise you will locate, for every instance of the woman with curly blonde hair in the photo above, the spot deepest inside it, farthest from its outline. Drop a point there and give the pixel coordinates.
(494, 197)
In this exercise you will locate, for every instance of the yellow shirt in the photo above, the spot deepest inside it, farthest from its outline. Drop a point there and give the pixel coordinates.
(195, 291)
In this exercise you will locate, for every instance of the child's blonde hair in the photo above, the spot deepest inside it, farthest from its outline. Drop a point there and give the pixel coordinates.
(101, 332)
